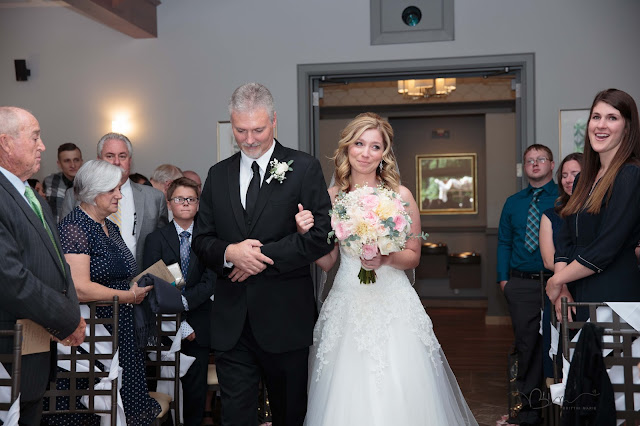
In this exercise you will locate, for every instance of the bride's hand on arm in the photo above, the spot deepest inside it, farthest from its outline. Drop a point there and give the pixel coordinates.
(304, 220)
(327, 261)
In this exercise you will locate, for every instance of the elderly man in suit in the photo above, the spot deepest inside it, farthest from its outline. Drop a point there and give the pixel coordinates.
(141, 210)
(172, 244)
(264, 308)
(36, 281)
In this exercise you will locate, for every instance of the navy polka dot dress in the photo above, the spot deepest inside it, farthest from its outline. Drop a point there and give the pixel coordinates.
(113, 266)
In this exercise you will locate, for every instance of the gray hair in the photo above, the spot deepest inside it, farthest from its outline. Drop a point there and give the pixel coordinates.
(95, 177)
(165, 173)
(117, 136)
(10, 120)
(250, 97)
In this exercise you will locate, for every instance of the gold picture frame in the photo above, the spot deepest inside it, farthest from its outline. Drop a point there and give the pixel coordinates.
(447, 183)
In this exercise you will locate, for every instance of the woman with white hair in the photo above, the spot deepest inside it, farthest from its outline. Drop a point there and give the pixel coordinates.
(102, 267)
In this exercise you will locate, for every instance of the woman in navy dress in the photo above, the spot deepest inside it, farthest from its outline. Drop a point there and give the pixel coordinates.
(595, 248)
(550, 224)
(102, 267)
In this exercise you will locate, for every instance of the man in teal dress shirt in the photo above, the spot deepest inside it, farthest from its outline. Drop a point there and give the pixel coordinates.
(520, 271)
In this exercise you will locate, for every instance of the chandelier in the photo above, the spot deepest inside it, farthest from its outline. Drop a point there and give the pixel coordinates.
(426, 88)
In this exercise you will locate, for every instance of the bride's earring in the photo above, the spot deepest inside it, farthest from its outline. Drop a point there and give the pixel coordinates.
(380, 167)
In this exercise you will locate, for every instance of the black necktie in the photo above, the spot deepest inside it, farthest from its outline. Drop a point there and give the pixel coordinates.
(253, 190)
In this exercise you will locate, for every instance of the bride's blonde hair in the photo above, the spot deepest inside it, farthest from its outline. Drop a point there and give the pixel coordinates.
(388, 174)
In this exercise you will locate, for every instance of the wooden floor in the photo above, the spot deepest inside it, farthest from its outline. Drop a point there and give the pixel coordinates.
(477, 354)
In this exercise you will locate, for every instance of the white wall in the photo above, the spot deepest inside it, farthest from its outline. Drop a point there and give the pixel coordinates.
(176, 87)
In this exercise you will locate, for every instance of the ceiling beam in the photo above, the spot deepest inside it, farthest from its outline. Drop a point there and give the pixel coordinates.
(136, 18)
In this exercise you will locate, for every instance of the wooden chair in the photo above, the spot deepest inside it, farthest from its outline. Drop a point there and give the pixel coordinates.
(155, 364)
(213, 386)
(623, 335)
(90, 359)
(12, 362)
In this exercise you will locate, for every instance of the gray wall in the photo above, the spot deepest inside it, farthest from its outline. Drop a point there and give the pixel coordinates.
(176, 86)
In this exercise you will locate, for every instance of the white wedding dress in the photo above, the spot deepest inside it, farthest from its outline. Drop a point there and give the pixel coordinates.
(375, 359)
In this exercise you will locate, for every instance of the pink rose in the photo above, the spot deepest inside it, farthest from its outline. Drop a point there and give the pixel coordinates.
(400, 222)
(369, 251)
(342, 230)
(371, 218)
(370, 202)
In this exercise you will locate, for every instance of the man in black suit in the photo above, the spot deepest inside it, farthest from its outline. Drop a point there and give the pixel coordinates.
(36, 281)
(172, 244)
(264, 309)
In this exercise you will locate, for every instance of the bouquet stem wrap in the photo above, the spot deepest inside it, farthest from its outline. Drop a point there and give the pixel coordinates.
(367, 276)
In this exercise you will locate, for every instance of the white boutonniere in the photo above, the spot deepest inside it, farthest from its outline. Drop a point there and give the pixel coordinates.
(278, 169)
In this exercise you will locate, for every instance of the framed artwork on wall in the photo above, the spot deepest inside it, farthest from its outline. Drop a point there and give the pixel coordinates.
(447, 183)
(227, 145)
(573, 126)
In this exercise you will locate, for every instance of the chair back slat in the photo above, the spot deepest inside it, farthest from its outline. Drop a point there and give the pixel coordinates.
(155, 363)
(89, 361)
(14, 360)
(622, 337)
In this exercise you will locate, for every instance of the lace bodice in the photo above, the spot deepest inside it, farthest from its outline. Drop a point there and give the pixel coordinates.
(369, 309)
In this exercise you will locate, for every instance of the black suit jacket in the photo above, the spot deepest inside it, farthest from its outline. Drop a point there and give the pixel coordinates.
(164, 244)
(279, 302)
(34, 284)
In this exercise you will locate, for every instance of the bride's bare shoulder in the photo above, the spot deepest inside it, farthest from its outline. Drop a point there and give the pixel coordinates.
(405, 193)
(333, 191)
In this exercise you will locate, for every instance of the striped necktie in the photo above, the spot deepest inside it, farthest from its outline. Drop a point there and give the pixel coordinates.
(185, 251)
(116, 217)
(533, 223)
(37, 209)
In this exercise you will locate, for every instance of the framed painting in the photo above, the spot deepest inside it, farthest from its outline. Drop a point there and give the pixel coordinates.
(227, 145)
(447, 183)
(573, 126)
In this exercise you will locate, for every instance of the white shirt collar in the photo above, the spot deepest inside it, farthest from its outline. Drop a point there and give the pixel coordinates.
(17, 183)
(179, 229)
(263, 160)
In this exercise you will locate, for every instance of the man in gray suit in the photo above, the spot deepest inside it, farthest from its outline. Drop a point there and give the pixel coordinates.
(36, 280)
(141, 210)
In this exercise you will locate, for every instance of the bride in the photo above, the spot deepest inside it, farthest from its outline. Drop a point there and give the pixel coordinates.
(375, 359)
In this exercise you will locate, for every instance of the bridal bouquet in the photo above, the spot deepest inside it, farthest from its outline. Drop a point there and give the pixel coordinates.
(367, 220)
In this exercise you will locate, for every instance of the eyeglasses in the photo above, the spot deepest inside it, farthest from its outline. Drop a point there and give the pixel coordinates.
(532, 161)
(181, 200)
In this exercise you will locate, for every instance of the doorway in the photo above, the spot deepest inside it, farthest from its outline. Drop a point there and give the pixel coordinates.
(316, 80)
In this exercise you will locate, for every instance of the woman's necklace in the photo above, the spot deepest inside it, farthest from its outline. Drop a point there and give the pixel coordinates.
(103, 223)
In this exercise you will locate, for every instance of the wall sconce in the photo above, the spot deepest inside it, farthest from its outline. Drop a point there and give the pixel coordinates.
(121, 125)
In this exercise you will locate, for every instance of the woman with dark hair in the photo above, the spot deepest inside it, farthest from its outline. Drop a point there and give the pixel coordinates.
(550, 221)
(595, 248)
(550, 224)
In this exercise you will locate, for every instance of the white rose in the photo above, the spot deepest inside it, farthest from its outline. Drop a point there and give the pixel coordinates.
(387, 245)
(282, 168)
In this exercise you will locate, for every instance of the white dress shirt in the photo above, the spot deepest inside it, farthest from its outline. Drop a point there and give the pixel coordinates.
(246, 174)
(128, 217)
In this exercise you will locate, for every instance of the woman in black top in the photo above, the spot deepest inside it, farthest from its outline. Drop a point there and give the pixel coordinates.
(595, 250)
